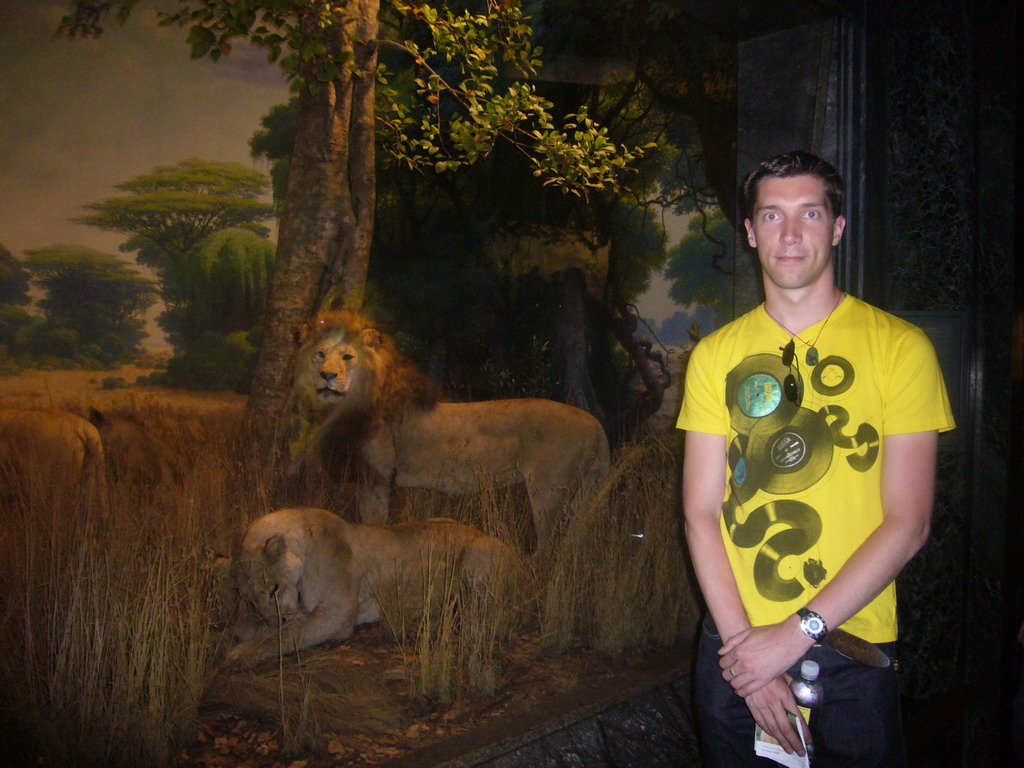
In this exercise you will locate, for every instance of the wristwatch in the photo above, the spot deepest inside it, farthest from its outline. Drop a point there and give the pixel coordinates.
(812, 625)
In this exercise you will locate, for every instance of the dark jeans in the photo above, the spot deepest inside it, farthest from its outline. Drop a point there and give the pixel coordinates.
(856, 726)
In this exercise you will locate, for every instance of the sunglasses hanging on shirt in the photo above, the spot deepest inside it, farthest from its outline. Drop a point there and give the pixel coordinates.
(789, 385)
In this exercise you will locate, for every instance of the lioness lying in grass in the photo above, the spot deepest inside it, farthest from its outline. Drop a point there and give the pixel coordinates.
(311, 576)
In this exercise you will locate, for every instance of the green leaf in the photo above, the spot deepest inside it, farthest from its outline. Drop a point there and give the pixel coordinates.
(201, 34)
(199, 49)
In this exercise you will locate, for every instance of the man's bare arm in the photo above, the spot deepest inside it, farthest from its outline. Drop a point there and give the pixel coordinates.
(908, 488)
(703, 491)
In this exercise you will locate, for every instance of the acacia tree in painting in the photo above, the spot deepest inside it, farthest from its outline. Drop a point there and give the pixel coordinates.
(326, 223)
(196, 224)
(168, 214)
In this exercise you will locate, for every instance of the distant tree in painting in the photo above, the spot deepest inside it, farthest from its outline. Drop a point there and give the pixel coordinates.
(224, 282)
(693, 271)
(196, 224)
(213, 362)
(274, 142)
(92, 305)
(14, 321)
(14, 279)
(169, 212)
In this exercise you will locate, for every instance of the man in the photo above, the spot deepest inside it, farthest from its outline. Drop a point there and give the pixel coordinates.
(815, 418)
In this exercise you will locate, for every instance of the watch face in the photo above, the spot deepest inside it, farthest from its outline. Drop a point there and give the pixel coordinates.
(813, 626)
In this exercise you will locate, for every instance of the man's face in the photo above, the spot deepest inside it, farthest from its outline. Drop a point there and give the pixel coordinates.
(793, 231)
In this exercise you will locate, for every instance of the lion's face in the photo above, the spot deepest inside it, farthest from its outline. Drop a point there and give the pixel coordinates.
(337, 367)
(271, 582)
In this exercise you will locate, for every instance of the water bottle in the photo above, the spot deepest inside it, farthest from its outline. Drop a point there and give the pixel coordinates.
(807, 692)
(806, 688)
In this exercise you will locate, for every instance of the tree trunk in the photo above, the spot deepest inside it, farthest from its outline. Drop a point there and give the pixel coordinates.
(571, 349)
(326, 225)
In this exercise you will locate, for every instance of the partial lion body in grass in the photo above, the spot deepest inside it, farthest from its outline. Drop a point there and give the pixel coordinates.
(134, 453)
(356, 399)
(321, 575)
(54, 450)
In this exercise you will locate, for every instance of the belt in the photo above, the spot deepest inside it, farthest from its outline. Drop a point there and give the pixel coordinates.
(857, 648)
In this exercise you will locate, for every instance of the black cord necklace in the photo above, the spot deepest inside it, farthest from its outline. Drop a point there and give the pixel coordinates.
(811, 356)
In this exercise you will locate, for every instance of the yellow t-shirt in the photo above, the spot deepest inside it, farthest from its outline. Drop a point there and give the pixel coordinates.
(804, 483)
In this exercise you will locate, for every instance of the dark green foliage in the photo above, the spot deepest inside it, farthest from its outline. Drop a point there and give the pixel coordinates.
(274, 143)
(92, 306)
(114, 382)
(524, 375)
(214, 362)
(52, 347)
(13, 280)
(223, 286)
(14, 322)
(638, 239)
(481, 334)
(524, 364)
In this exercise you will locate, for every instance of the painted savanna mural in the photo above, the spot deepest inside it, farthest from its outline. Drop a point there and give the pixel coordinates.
(170, 226)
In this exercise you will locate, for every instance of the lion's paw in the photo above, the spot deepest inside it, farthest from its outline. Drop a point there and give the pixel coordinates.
(242, 656)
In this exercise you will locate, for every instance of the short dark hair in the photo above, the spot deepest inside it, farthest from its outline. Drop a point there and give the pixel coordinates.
(796, 163)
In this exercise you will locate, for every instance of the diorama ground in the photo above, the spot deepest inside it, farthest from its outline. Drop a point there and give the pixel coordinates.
(535, 693)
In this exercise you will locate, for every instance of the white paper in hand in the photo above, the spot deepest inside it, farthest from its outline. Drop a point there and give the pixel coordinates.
(765, 745)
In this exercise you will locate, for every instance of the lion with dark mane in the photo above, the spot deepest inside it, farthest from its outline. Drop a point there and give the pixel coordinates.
(356, 396)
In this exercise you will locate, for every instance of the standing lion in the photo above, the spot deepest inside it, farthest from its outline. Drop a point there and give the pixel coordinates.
(355, 396)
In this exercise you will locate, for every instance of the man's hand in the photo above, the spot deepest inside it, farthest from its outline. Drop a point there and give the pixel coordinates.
(770, 705)
(754, 657)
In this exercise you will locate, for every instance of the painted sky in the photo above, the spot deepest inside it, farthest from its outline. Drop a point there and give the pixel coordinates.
(78, 116)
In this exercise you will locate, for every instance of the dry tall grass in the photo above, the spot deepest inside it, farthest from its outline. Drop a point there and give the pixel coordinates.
(109, 634)
(618, 579)
(105, 625)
